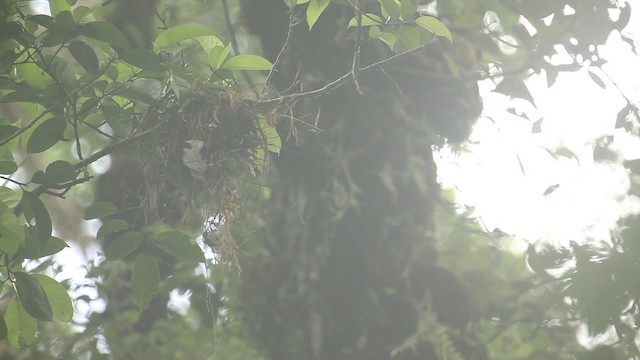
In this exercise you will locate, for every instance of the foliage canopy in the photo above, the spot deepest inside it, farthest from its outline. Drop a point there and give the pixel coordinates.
(271, 161)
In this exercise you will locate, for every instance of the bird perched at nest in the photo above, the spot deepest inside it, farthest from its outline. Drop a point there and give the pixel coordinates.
(193, 159)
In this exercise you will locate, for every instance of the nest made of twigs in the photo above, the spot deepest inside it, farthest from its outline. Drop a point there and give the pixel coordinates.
(206, 145)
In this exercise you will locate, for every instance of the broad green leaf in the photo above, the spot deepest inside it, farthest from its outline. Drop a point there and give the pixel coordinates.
(46, 135)
(7, 60)
(61, 305)
(367, 20)
(435, 26)
(64, 20)
(293, 3)
(58, 172)
(111, 227)
(3, 329)
(35, 210)
(58, 6)
(21, 327)
(106, 32)
(82, 12)
(23, 93)
(391, 7)
(209, 42)
(123, 245)
(32, 297)
(8, 167)
(119, 119)
(85, 56)
(248, 62)
(409, 37)
(387, 38)
(151, 88)
(12, 231)
(181, 33)
(179, 245)
(314, 10)
(10, 197)
(217, 56)
(33, 250)
(143, 58)
(179, 86)
(43, 20)
(271, 137)
(6, 131)
(33, 75)
(407, 9)
(145, 279)
(99, 209)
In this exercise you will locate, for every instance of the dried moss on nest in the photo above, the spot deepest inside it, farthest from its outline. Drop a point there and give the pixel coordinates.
(221, 126)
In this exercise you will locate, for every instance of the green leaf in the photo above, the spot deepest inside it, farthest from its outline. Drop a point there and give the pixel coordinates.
(6, 131)
(271, 137)
(12, 231)
(409, 37)
(179, 86)
(435, 26)
(209, 42)
(145, 279)
(34, 209)
(181, 33)
(314, 10)
(7, 61)
(111, 227)
(61, 305)
(118, 118)
(367, 20)
(179, 245)
(391, 7)
(8, 167)
(106, 32)
(248, 62)
(123, 245)
(217, 56)
(23, 93)
(146, 91)
(33, 250)
(21, 328)
(33, 75)
(58, 6)
(43, 20)
(85, 56)
(32, 297)
(46, 135)
(387, 38)
(80, 12)
(99, 209)
(10, 197)
(58, 172)
(407, 9)
(3, 329)
(143, 58)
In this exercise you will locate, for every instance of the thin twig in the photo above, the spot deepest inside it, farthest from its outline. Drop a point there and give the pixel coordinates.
(355, 65)
(44, 188)
(283, 49)
(10, 180)
(344, 79)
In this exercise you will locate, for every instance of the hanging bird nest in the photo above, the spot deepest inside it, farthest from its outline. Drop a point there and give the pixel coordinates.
(206, 144)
